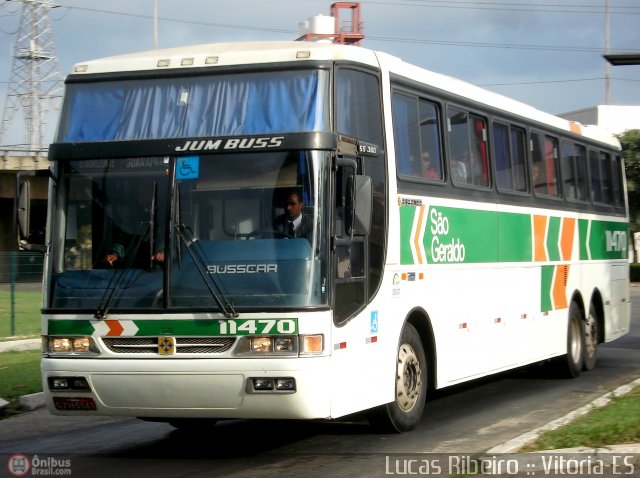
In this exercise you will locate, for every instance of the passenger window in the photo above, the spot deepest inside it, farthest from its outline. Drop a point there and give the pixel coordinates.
(574, 167)
(544, 171)
(430, 150)
(469, 162)
(618, 187)
(510, 157)
(406, 134)
(596, 178)
(416, 129)
(606, 178)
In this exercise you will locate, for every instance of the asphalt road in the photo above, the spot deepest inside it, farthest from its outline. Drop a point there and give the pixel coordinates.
(463, 420)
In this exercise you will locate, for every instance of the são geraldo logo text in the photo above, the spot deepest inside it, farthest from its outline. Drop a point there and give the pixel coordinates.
(443, 248)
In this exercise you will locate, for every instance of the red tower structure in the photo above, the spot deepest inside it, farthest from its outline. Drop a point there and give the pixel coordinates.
(347, 32)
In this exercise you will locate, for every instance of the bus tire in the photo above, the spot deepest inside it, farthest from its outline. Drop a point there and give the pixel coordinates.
(570, 364)
(405, 412)
(591, 338)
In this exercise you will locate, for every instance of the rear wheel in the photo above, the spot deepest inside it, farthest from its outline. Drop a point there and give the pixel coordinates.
(405, 412)
(591, 334)
(570, 364)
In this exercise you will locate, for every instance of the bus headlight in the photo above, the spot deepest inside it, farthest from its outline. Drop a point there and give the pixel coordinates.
(268, 345)
(260, 344)
(71, 345)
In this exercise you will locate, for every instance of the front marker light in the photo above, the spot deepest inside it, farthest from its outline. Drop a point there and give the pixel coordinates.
(312, 344)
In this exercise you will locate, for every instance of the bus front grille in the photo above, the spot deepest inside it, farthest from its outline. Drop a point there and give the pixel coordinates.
(183, 345)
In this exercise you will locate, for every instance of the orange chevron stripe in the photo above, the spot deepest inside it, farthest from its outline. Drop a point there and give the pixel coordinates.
(416, 238)
(560, 287)
(539, 232)
(566, 238)
(115, 328)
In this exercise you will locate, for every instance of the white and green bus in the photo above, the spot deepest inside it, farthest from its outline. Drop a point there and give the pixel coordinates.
(452, 233)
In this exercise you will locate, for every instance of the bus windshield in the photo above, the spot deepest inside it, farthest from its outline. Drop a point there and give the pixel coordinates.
(231, 246)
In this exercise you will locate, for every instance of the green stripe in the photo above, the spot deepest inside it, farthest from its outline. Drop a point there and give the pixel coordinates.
(608, 240)
(545, 288)
(553, 233)
(406, 223)
(514, 237)
(583, 226)
(70, 327)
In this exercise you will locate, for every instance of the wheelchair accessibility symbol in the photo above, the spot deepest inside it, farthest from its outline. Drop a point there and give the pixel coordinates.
(188, 167)
(374, 322)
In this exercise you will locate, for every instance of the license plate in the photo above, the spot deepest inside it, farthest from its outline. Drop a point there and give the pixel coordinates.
(69, 403)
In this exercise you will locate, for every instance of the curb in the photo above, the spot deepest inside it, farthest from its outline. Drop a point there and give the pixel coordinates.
(525, 439)
(32, 402)
(23, 344)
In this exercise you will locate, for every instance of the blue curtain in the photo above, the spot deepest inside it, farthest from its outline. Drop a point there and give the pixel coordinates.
(260, 103)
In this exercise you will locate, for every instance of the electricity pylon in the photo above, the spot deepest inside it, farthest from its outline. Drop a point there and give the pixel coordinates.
(35, 85)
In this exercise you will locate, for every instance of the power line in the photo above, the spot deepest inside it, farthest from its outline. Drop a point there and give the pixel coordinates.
(514, 46)
(511, 7)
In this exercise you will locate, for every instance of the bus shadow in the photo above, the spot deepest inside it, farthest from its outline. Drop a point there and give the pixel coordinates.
(235, 439)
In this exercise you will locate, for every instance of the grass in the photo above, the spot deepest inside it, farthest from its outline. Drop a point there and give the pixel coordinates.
(26, 313)
(614, 424)
(19, 375)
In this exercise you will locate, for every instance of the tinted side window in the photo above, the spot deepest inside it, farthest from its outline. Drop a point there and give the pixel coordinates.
(406, 134)
(510, 157)
(544, 172)
(416, 130)
(574, 170)
(430, 149)
(358, 109)
(596, 178)
(469, 160)
(618, 184)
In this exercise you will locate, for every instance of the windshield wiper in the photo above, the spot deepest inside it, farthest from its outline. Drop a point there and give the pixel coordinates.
(131, 253)
(110, 292)
(197, 255)
(199, 259)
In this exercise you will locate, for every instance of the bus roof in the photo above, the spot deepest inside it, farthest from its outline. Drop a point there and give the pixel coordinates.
(243, 53)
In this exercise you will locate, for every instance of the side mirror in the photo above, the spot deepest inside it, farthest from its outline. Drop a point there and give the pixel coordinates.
(28, 239)
(359, 201)
(24, 211)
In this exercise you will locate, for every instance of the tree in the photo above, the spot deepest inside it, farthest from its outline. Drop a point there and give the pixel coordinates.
(630, 141)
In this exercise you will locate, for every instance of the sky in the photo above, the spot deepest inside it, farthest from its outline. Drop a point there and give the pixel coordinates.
(547, 53)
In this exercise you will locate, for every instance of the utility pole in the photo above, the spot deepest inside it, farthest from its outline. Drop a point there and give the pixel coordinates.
(607, 50)
(35, 85)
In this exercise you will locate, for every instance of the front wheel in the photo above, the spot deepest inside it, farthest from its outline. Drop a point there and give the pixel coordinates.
(405, 412)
